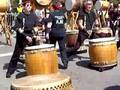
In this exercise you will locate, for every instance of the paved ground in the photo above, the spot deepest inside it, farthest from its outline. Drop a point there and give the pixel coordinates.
(83, 78)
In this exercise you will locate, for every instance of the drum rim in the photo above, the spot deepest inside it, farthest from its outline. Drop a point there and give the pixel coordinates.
(102, 39)
(68, 30)
(72, 31)
(36, 47)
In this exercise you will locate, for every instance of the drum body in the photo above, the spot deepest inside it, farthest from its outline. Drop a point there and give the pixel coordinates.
(56, 81)
(4, 5)
(72, 36)
(103, 52)
(73, 4)
(41, 59)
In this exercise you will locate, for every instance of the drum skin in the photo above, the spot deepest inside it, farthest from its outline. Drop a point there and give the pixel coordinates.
(103, 32)
(103, 53)
(43, 2)
(4, 5)
(41, 61)
(73, 4)
(72, 38)
(37, 5)
(56, 81)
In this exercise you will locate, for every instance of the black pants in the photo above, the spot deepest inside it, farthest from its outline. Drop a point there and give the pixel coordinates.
(118, 43)
(61, 42)
(113, 27)
(21, 43)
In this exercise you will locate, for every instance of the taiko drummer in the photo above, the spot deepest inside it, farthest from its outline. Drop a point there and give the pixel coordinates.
(57, 31)
(86, 19)
(24, 26)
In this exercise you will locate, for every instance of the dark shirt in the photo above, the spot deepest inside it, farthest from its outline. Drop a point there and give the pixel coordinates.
(90, 18)
(57, 18)
(27, 22)
(113, 14)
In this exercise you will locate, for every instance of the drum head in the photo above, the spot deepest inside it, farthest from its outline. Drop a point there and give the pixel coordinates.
(69, 4)
(72, 31)
(103, 30)
(42, 46)
(40, 81)
(43, 2)
(98, 5)
(102, 39)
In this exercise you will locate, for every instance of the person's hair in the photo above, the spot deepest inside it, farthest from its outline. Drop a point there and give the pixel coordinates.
(29, 1)
(115, 5)
(85, 2)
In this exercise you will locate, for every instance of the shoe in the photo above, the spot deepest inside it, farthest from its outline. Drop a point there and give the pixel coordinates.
(8, 75)
(65, 63)
(10, 72)
(65, 66)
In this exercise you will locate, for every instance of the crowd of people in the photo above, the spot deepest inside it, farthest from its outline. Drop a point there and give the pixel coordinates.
(54, 26)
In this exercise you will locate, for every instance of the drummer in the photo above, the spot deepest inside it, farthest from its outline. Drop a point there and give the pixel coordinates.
(25, 23)
(114, 15)
(86, 19)
(57, 31)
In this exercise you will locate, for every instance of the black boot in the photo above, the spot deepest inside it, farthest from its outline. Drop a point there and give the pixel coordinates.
(10, 72)
(65, 63)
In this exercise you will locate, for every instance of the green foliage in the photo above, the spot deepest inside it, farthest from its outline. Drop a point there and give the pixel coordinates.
(17, 1)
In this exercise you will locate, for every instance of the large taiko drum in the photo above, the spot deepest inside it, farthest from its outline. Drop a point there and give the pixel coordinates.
(73, 4)
(41, 59)
(4, 5)
(56, 81)
(103, 52)
(72, 36)
(102, 5)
